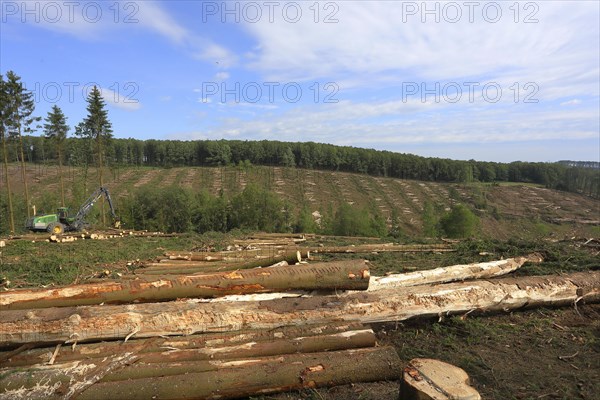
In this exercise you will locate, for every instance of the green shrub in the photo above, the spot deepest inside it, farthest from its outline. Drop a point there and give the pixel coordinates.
(460, 222)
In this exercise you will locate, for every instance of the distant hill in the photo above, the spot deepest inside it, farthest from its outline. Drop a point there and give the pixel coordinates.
(307, 155)
(506, 210)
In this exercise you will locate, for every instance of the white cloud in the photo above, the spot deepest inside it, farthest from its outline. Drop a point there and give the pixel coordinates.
(219, 55)
(151, 16)
(94, 20)
(573, 102)
(371, 47)
(396, 123)
(222, 76)
(123, 102)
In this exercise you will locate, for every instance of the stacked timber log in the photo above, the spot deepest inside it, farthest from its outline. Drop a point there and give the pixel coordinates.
(111, 234)
(263, 254)
(342, 275)
(124, 344)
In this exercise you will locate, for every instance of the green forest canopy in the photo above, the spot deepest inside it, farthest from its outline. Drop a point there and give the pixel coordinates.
(310, 155)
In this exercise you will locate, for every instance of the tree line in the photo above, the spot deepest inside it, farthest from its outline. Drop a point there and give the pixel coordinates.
(309, 155)
(92, 144)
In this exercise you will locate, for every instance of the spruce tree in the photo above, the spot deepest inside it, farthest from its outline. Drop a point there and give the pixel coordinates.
(55, 129)
(20, 107)
(98, 129)
(4, 124)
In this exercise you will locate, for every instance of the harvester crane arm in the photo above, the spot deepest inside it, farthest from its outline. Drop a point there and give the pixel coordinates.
(89, 203)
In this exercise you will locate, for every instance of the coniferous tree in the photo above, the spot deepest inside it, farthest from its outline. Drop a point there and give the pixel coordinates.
(56, 129)
(98, 129)
(20, 106)
(4, 123)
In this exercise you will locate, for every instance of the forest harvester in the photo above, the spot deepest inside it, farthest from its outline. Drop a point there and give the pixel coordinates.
(61, 221)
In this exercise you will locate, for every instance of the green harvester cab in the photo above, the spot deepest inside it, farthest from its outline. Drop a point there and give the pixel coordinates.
(61, 221)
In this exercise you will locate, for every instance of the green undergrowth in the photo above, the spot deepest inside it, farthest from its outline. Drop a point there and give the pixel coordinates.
(39, 263)
(559, 257)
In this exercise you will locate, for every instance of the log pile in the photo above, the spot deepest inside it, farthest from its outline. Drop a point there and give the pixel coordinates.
(242, 331)
(253, 253)
(96, 235)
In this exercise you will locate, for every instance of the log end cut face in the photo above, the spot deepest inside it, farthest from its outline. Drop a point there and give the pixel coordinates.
(428, 379)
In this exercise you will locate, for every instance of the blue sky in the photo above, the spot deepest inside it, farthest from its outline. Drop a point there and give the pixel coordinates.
(498, 81)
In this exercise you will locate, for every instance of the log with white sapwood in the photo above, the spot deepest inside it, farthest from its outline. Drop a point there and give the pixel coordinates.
(452, 273)
(341, 275)
(26, 355)
(385, 248)
(210, 380)
(93, 323)
(428, 379)
(173, 361)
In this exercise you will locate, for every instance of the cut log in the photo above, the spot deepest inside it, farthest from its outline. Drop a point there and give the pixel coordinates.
(22, 356)
(175, 362)
(352, 274)
(173, 269)
(213, 258)
(93, 323)
(268, 236)
(386, 247)
(290, 258)
(427, 379)
(228, 379)
(237, 256)
(452, 273)
(308, 344)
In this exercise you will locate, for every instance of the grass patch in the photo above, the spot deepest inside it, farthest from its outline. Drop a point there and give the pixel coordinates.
(26, 263)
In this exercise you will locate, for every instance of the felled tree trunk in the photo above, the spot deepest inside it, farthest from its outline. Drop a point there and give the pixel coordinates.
(224, 340)
(353, 274)
(223, 380)
(452, 273)
(175, 318)
(175, 362)
(237, 256)
(383, 248)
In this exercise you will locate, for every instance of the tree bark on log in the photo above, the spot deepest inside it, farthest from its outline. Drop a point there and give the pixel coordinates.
(352, 274)
(161, 344)
(175, 362)
(291, 258)
(229, 379)
(237, 256)
(89, 323)
(383, 248)
(452, 273)
(307, 344)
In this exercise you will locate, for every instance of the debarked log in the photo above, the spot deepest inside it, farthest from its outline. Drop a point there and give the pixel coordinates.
(384, 248)
(234, 256)
(170, 269)
(175, 362)
(305, 344)
(342, 275)
(222, 379)
(222, 340)
(452, 273)
(92, 323)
